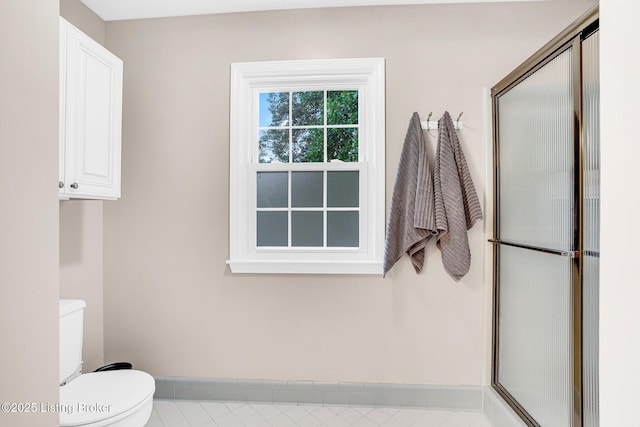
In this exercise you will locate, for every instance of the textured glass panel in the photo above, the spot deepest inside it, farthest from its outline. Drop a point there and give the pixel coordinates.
(590, 341)
(591, 206)
(536, 158)
(342, 144)
(307, 189)
(272, 228)
(534, 327)
(343, 229)
(308, 108)
(274, 146)
(274, 109)
(343, 189)
(272, 189)
(342, 107)
(308, 145)
(306, 229)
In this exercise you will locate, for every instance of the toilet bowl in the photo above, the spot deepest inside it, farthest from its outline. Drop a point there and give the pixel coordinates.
(112, 398)
(120, 398)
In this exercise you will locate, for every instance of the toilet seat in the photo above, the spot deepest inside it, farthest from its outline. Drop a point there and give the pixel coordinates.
(103, 398)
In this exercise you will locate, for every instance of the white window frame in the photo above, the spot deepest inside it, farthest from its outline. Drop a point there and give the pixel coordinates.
(247, 81)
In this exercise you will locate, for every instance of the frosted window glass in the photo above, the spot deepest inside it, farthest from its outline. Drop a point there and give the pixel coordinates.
(343, 189)
(306, 229)
(591, 206)
(272, 229)
(536, 146)
(272, 189)
(343, 229)
(534, 329)
(306, 189)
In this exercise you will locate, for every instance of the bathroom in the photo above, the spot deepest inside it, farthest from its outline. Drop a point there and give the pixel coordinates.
(152, 265)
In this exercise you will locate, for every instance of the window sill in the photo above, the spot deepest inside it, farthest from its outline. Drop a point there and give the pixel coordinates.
(305, 267)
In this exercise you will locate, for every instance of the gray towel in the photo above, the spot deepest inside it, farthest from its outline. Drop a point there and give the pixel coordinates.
(411, 217)
(457, 207)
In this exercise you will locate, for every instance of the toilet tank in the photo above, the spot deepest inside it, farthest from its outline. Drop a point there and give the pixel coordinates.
(71, 316)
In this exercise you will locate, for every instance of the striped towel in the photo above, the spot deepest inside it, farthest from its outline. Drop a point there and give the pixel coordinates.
(457, 207)
(411, 219)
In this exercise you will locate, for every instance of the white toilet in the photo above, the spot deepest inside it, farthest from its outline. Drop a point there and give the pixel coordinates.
(120, 398)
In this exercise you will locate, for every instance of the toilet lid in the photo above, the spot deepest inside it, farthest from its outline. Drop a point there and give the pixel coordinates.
(100, 395)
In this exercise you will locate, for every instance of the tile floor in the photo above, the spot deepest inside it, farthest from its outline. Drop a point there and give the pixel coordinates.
(179, 413)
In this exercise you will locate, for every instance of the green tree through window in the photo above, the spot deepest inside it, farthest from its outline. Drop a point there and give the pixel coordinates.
(308, 118)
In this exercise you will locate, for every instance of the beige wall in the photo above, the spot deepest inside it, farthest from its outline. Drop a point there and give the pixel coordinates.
(84, 19)
(619, 290)
(81, 271)
(81, 228)
(29, 207)
(171, 305)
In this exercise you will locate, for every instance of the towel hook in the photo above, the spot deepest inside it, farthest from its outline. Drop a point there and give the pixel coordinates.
(458, 120)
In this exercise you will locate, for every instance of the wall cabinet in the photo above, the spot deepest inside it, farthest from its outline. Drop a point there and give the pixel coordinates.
(90, 117)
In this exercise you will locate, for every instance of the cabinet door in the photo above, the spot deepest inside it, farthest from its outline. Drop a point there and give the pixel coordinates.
(62, 130)
(93, 119)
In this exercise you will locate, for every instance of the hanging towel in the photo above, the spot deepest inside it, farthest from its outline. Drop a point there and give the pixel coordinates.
(457, 207)
(411, 217)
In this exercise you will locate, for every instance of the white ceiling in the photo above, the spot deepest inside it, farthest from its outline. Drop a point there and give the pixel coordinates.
(113, 10)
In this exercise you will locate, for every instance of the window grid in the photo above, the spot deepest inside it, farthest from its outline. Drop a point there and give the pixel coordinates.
(326, 166)
(325, 209)
(290, 127)
(326, 135)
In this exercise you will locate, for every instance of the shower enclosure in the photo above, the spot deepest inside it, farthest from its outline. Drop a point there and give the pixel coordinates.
(546, 227)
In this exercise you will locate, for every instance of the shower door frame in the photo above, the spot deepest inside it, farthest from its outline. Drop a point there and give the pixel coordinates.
(570, 38)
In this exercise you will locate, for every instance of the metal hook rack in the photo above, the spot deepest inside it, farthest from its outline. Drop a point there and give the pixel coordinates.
(429, 125)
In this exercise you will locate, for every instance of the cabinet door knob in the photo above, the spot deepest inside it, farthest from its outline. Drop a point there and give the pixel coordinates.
(74, 185)
(60, 184)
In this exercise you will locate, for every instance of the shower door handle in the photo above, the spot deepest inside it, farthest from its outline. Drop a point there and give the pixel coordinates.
(568, 254)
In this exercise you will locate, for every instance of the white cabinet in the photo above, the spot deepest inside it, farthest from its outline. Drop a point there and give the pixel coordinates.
(90, 117)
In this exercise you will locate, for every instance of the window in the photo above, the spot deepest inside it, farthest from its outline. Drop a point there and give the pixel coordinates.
(307, 167)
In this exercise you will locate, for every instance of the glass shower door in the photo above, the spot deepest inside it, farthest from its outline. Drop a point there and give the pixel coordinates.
(546, 232)
(591, 227)
(535, 231)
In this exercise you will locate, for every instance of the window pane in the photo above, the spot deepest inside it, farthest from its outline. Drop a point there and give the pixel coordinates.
(274, 109)
(306, 229)
(272, 189)
(342, 107)
(274, 146)
(308, 145)
(343, 189)
(272, 229)
(342, 229)
(306, 189)
(308, 108)
(342, 144)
